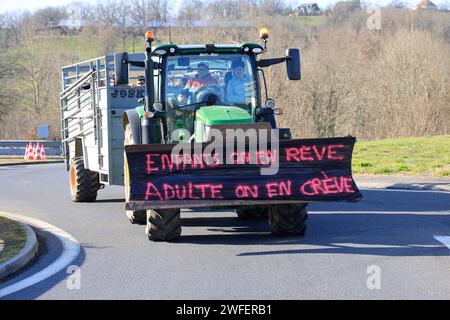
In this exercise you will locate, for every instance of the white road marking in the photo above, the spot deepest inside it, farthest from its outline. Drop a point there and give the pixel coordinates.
(444, 240)
(71, 249)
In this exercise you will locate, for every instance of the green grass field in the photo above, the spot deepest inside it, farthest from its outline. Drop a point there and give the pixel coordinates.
(12, 236)
(408, 156)
(312, 21)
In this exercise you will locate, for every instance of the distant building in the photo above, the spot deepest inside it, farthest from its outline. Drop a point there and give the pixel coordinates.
(309, 9)
(426, 5)
(71, 26)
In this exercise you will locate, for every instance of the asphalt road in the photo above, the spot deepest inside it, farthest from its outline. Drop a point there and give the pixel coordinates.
(380, 248)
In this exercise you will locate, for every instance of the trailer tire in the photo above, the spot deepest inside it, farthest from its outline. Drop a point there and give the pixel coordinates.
(84, 183)
(163, 224)
(134, 216)
(252, 212)
(288, 219)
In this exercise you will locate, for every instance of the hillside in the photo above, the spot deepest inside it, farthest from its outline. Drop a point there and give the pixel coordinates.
(371, 84)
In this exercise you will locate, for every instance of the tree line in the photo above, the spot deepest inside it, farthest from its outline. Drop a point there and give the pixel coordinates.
(387, 82)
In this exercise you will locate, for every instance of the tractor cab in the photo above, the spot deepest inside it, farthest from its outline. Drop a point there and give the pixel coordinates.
(200, 87)
(197, 86)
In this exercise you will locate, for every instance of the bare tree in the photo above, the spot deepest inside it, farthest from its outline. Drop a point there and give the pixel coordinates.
(224, 9)
(143, 12)
(111, 16)
(10, 24)
(272, 7)
(398, 4)
(49, 16)
(191, 10)
(7, 95)
(107, 13)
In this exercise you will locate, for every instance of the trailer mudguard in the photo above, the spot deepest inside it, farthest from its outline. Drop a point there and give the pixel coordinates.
(190, 175)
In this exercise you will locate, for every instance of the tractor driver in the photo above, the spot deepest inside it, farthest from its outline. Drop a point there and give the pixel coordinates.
(202, 79)
(236, 86)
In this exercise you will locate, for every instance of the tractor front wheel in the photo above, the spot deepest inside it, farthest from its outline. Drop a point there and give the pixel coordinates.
(163, 224)
(288, 219)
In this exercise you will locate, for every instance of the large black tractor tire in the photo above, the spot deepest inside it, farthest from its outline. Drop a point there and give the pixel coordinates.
(288, 219)
(163, 224)
(134, 216)
(84, 183)
(252, 212)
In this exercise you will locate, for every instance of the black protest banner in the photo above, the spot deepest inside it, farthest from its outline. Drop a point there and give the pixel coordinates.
(293, 170)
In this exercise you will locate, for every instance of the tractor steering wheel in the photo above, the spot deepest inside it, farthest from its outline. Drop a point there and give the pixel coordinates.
(201, 94)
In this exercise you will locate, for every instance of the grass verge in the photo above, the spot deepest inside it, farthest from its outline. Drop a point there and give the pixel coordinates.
(409, 156)
(12, 238)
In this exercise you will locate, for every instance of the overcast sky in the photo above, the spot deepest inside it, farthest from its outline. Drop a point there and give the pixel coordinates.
(10, 5)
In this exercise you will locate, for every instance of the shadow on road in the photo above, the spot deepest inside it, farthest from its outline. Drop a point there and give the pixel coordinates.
(378, 234)
(109, 200)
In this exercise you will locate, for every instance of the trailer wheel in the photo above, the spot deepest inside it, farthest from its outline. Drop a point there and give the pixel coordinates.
(163, 224)
(252, 212)
(288, 219)
(134, 216)
(84, 183)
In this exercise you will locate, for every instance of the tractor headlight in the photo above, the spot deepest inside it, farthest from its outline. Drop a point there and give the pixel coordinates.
(270, 103)
(157, 106)
(161, 52)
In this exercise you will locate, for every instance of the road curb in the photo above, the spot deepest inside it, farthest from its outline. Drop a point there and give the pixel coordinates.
(28, 163)
(24, 256)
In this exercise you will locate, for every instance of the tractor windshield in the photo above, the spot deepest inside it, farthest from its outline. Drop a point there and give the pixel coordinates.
(193, 79)
(190, 79)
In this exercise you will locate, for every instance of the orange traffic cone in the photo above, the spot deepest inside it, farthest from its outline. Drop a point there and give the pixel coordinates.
(37, 154)
(33, 153)
(43, 156)
(27, 151)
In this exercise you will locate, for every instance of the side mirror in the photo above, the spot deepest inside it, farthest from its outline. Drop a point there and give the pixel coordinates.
(293, 64)
(121, 68)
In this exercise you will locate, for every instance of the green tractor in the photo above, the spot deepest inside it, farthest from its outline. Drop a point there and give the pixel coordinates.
(192, 89)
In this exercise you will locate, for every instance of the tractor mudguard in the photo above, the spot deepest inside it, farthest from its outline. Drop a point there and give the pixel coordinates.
(132, 117)
(307, 170)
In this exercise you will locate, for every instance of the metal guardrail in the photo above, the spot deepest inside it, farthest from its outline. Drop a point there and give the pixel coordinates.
(17, 147)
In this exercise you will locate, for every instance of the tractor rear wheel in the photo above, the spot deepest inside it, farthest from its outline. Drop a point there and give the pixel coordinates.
(288, 219)
(84, 183)
(252, 212)
(135, 216)
(163, 224)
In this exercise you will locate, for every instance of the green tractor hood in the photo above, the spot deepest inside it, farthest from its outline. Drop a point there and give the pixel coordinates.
(223, 115)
